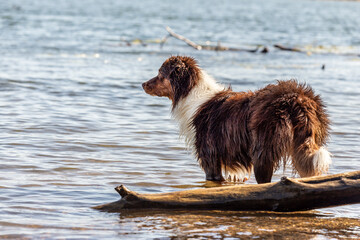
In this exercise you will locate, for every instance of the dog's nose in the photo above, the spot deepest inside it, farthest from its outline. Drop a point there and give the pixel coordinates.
(143, 85)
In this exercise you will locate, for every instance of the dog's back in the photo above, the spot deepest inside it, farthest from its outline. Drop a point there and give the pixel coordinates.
(235, 131)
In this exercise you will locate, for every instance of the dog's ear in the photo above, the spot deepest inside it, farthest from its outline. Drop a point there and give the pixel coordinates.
(177, 70)
(182, 80)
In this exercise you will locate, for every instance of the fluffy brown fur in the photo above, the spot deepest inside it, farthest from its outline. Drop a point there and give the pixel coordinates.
(233, 132)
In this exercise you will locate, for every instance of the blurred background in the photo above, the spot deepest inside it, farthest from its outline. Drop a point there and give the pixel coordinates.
(75, 121)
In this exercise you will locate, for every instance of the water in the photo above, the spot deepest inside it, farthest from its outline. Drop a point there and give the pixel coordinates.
(75, 121)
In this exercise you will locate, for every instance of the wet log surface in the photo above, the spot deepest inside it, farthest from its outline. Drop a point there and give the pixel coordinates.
(283, 196)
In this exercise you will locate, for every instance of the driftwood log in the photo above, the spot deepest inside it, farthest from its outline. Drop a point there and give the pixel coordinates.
(283, 196)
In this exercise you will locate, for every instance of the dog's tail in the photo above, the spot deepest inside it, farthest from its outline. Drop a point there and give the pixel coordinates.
(311, 129)
(321, 161)
(309, 162)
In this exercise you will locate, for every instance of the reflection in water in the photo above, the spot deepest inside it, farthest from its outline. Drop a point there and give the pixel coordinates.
(244, 225)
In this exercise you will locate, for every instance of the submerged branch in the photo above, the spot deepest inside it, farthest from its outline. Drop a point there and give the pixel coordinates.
(281, 47)
(258, 49)
(207, 47)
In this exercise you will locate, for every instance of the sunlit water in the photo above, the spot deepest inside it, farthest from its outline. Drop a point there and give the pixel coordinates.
(75, 121)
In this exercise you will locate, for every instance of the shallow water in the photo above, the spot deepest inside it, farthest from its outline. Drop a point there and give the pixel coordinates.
(75, 121)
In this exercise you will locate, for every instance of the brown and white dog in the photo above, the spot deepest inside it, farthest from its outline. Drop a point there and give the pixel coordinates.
(232, 133)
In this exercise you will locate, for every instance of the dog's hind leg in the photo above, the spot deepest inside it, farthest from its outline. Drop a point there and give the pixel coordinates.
(271, 144)
(267, 156)
(263, 170)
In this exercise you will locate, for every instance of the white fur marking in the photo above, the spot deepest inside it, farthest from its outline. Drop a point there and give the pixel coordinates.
(235, 175)
(186, 108)
(321, 160)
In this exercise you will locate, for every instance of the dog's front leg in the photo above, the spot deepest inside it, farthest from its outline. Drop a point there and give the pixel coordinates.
(213, 173)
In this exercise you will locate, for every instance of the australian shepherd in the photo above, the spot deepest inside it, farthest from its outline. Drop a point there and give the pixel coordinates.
(233, 133)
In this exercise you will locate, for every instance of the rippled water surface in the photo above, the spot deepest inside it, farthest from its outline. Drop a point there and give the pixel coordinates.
(75, 121)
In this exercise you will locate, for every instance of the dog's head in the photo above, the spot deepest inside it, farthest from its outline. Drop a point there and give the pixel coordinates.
(176, 77)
